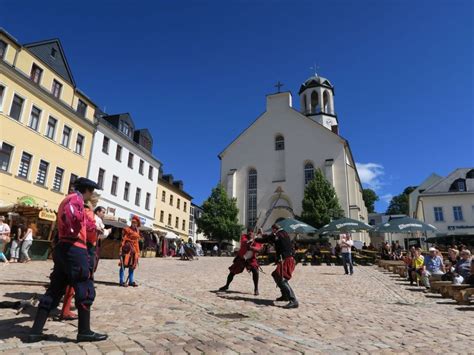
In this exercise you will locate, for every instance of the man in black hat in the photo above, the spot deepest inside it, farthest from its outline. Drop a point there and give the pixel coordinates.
(285, 263)
(71, 265)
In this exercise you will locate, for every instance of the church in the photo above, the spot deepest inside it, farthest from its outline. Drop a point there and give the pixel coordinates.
(267, 167)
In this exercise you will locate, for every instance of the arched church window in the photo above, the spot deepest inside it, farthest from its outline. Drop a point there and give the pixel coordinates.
(252, 198)
(308, 173)
(279, 142)
(326, 101)
(314, 101)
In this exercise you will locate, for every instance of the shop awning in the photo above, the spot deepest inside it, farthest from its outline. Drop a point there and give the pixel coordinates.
(115, 224)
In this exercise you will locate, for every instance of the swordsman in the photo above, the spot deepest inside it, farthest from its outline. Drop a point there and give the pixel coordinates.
(71, 265)
(285, 263)
(245, 259)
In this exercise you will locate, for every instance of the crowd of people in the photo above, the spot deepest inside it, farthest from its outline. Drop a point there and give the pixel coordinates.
(21, 238)
(457, 266)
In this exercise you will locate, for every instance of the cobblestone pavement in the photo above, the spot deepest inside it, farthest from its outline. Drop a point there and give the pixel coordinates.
(176, 311)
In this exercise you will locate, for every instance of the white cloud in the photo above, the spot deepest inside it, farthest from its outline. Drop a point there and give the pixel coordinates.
(386, 198)
(370, 174)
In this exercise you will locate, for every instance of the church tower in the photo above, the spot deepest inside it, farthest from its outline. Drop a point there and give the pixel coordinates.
(317, 102)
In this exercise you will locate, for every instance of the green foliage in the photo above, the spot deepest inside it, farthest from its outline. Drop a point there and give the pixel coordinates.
(400, 203)
(219, 218)
(370, 197)
(320, 202)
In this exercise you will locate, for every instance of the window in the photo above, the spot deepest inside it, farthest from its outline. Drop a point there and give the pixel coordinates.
(308, 173)
(184, 225)
(457, 211)
(34, 118)
(176, 225)
(162, 216)
(461, 185)
(130, 160)
(5, 156)
(66, 136)
(58, 179)
(118, 153)
(137, 196)
(2, 93)
(3, 49)
(56, 88)
(17, 107)
(314, 102)
(178, 203)
(147, 201)
(113, 189)
(185, 206)
(279, 143)
(126, 191)
(458, 185)
(36, 73)
(163, 196)
(438, 213)
(105, 145)
(24, 168)
(42, 172)
(53, 52)
(169, 219)
(171, 200)
(252, 198)
(100, 178)
(124, 127)
(140, 168)
(81, 108)
(79, 144)
(51, 128)
(72, 180)
(150, 173)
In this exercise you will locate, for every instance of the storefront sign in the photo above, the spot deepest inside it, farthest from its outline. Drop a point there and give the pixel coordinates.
(452, 228)
(27, 200)
(48, 216)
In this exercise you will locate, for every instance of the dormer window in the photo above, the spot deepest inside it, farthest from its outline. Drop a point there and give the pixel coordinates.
(53, 52)
(470, 174)
(458, 185)
(125, 128)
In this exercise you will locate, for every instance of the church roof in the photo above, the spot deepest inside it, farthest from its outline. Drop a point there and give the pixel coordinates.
(315, 81)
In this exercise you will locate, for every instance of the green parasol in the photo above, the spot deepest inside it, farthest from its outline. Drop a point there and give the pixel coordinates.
(291, 225)
(345, 225)
(405, 225)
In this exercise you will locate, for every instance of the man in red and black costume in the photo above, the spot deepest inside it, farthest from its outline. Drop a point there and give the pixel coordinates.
(245, 259)
(285, 263)
(71, 265)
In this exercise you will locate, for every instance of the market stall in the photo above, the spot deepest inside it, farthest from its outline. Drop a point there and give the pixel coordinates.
(110, 247)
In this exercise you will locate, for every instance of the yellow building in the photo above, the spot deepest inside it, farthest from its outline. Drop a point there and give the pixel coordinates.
(172, 207)
(46, 123)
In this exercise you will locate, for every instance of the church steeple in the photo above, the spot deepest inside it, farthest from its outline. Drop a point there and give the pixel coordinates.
(317, 101)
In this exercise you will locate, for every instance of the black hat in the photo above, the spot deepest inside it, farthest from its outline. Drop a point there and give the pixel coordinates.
(84, 182)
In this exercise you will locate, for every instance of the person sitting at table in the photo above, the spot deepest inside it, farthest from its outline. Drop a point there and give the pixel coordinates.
(417, 265)
(408, 259)
(462, 270)
(433, 266)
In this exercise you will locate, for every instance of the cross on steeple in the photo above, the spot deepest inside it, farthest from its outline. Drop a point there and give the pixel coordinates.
(278, 85)
(314, 68)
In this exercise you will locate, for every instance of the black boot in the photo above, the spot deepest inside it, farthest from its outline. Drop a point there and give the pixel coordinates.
(284, 294)
(291, 295)
(230, 277)
(84, 331)
(255, 282)
(36, 333)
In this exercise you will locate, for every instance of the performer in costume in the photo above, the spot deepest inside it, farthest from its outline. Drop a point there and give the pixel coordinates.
(130, 252)
(71, 265)
(245, 259)
(91, 240)
(285, 263)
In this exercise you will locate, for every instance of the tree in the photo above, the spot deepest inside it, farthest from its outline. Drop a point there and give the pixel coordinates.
(400, 203)
(219, 217)
(320, 202)
(370, 196)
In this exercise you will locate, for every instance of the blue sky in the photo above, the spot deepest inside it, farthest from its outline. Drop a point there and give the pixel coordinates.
(196, 74)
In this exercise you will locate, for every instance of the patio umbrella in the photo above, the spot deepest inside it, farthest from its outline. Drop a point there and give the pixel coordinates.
(291, 225)
(345, 225)
(405, 225)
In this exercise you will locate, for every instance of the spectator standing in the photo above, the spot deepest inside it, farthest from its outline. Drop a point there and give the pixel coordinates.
(17, 238)
(346, 244)
(28, 241)
(4, 238)
(215, 250)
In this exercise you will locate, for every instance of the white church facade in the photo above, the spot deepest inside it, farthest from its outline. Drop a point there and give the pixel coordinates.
(268, 165)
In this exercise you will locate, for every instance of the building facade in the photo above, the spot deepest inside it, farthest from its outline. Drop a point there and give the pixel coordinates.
(448, 204)
(269, 164)
(123, 165)
(172, 207)
(195, 213)
(46, 123)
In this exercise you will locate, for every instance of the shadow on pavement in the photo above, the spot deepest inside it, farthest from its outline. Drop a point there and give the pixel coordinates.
(257, 301)
(228, 292)
(106, 283)
(25, 283)
(415, 289)
(465, 309)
